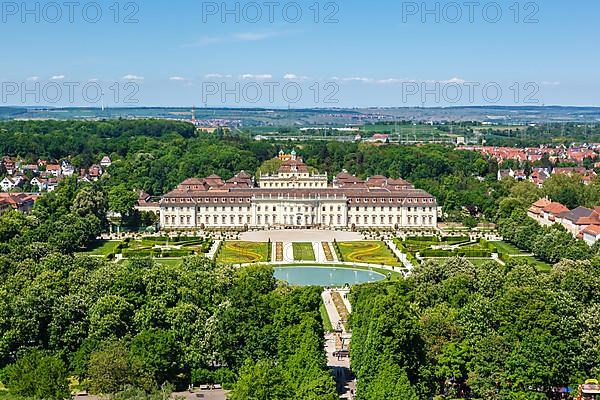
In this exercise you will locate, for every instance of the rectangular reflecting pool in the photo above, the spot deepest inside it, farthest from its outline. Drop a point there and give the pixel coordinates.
(325, 276)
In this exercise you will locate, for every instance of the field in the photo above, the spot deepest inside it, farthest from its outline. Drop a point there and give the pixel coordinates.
(325, 317)
(475, 261)
(243, 253)
(509, 252)
(368, 253)
(304, 252)
(538, 264)
(102, 247)
(507, 248)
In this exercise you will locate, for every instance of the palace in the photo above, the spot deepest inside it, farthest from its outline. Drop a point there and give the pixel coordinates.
(296, 197)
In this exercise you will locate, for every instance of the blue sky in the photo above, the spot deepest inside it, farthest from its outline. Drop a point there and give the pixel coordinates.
(351, 54)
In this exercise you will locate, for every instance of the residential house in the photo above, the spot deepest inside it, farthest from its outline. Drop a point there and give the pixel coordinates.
(505, 173)
(520, 175)
(106, 162)
(379, 138)
(539, 176)
(95, 172)
(4, 206)
(51, 184)
(67, 169)
(9, 183)
(575, 221)
(9, 165)
(147, 203)
(551, 213)
(40, 183)
(582, 223)
(54, 170)
(536, 210)
(33, 168)
(591, 234)
(16, 201)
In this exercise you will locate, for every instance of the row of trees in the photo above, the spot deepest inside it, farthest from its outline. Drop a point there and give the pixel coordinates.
(138, 325)
(480, 332)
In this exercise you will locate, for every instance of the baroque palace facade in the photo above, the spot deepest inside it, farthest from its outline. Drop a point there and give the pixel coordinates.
(296, 198)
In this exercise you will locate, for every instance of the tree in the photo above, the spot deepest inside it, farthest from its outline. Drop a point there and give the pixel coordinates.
(37, 375)
(564, 189)
(121, 200)
(90, 200)
(111, 369)
(261, 381)
(158, 354)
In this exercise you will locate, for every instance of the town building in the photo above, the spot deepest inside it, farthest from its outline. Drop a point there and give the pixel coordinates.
(581, 222)
(105, 162)
(295, 197)
(16, 201)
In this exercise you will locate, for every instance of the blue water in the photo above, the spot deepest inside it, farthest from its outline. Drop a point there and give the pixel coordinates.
(325, 276)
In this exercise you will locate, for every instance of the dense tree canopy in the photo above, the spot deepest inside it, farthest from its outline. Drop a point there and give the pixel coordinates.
(485, 332)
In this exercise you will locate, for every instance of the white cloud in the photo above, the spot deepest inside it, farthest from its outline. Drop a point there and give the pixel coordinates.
(177, 78)
(253, 36)
(256, 77)
(553, 83)
(57, 78)
(93, 80)
(455, 80)
(33, 78)
(234, 37)
(294, 77)
(390, 81)
(131, 77)
(206, 40)
(353, 79)
(217, 76)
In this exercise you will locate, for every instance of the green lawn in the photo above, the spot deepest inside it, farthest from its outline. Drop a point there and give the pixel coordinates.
(243, 252)
(325, 317)
(304, 252)
(101, 247)
(507, 248)
(368, 252)
(539, 264)
(475, 261)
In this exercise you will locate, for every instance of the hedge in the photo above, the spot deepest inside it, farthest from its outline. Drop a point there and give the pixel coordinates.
(177, 253)
(504, 257)
(473, 253)
(456, 239)
(433, 239)
(140, 253)
(437, 253)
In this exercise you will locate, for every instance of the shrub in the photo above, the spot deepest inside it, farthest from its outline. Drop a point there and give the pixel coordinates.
(473, 253)
(437, 253)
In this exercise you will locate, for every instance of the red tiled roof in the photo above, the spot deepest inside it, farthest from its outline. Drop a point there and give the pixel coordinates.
(541, 203)
(593, 230)
(555, 208)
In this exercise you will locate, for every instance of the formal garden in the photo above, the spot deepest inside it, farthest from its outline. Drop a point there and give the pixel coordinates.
(366, 252)
(433, 248)
(237, 252)
(152, 246)
(304, 252)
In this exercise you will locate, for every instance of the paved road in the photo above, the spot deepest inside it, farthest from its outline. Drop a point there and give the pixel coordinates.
(346, 383)
(300, 235)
